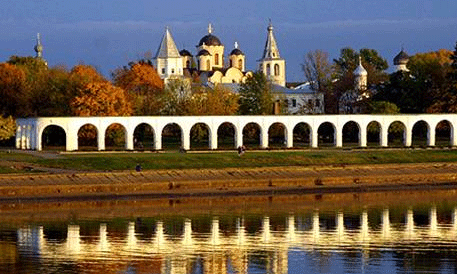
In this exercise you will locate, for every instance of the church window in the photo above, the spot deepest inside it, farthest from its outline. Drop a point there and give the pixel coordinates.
(231, 64)
(240, 64)
(163, 70)
(216, 59)
(276, 70)
(294, 103)
(187, 64)
(172, 71)
(268, 69)
(208, 65)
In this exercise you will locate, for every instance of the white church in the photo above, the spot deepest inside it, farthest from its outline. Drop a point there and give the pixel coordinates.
(211, 68)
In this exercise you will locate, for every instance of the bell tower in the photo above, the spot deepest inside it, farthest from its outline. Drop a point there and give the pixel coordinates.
(271, 64)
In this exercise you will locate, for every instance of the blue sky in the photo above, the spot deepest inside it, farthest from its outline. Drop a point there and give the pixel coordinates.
(111, 33)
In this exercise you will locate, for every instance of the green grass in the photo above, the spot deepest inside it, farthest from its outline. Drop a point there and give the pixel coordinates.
(216, 160)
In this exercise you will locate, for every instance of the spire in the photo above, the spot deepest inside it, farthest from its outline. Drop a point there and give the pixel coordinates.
(38, 47)
(167, 47)
(360, 70)
(271, 49)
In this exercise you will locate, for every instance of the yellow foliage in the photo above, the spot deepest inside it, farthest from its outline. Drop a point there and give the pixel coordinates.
(7, 128)
(101, 99)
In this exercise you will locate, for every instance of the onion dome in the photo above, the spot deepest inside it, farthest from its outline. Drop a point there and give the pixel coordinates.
(185, 52)
(401, 59)
(236, 50)
(203, 52)
(38, 47)
(209, 39)
(360, 70)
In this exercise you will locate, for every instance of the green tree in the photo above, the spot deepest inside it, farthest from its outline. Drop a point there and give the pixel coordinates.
(256, 96)
(344, 67)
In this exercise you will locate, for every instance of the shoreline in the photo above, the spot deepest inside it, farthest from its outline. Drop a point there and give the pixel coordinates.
(227, 182)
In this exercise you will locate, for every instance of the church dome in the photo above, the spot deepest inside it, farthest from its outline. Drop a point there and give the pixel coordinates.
(401, 58)
(185, 52)
(236, 52)
(360, 70)
(203, 52)
(210, 40)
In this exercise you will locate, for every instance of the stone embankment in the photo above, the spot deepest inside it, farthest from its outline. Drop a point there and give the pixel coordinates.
(226, 182)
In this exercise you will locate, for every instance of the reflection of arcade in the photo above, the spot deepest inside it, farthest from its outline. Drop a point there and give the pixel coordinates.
(217, 252)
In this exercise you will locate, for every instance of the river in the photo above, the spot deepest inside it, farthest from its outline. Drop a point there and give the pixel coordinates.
(381, 232)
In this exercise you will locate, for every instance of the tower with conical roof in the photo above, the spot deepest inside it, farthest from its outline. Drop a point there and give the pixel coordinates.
(168, 61)
(271, 64)
(361, 76)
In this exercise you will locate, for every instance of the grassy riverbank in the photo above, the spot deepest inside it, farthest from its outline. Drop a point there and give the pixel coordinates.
(25, 162)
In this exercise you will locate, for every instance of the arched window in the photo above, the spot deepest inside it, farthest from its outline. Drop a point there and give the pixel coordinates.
(187, 64)
(208, 65)
(276, 70)
(216, 59)
(240, 64)
(268, 69)
(231, 63)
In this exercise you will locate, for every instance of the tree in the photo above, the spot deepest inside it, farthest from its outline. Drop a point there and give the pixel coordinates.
(319, 74)
(256, 96)
(7, 128)
(213, 101)
(13, 91)
(143, 84)
(425, 88)
(101, 99)
(317, 69)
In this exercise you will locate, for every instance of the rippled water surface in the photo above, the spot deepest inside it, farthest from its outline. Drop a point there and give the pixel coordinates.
(419, 238)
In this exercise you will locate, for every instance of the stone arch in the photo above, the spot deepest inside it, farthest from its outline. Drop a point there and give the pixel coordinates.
(115, 137)
(252, 134)
(374, 133)
(351, 134)
(226, 135)
(302, 135)
(396, 134)
(444, 131)
(143, 137)
(199, 136)
(326, 134)
(420, 133)
(172, 136)
(277, 134)
(53, 137)
(88, 137)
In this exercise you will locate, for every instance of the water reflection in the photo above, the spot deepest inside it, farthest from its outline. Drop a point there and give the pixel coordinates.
(370, 241)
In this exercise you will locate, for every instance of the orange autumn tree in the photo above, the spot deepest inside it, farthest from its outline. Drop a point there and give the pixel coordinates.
(143, 84)
(98, 97)
(13, 91)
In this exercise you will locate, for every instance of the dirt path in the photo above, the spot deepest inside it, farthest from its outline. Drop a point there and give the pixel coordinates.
(230, 181)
